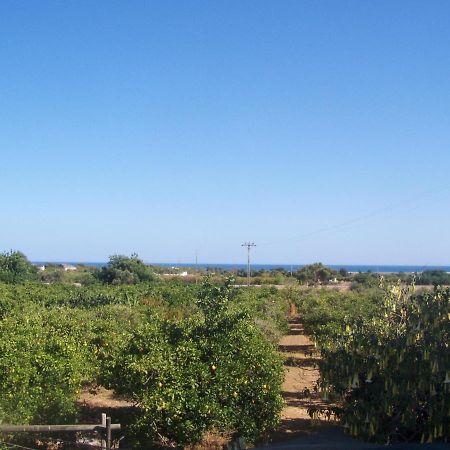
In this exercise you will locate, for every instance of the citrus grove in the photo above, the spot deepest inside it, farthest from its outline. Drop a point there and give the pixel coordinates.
(195, 359)
(190, 358)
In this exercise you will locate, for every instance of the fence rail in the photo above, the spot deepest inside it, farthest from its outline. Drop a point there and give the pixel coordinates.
(54, 428)
(104, 428)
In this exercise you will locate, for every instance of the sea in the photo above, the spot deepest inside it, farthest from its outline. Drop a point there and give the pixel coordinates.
(288, 267)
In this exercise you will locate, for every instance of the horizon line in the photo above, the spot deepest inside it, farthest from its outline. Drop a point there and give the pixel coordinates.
(244, 263)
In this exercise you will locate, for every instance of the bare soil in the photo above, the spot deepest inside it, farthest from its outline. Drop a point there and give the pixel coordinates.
(99, 398)
(301, 373)
(300, 384)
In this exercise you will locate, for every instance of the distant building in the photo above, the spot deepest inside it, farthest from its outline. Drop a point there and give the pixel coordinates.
(181, 274)
(67, 267)
(41, 268)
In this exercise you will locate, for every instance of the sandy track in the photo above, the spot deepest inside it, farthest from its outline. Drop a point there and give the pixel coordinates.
(301, 374)
(297, 429)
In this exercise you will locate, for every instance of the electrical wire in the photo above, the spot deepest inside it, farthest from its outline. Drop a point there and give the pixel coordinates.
(369, 217)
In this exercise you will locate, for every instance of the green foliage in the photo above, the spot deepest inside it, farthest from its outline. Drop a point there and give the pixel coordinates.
(125, 270)
(214, 370)
(390, 367)
(366, 279)
(191, 356)
(363, 280)
(15, 268)
(44, 359)
(173, 296)
(112, 329)
(433, 277)
(316, 273)
(323, 310)
(55, 273)
(214, 299)
(269, 308)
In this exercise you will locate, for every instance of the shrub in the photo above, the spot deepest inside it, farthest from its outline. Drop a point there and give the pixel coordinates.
(391, 370)
(433, 277)
(315, 273)
(15, 268)
(43, 366)
(214, 370)
(125, 270)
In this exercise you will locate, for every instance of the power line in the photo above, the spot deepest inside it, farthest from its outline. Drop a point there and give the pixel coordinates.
(389, 211)
(249, 245)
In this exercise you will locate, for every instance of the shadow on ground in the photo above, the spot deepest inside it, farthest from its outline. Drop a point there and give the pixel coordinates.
(330, 437)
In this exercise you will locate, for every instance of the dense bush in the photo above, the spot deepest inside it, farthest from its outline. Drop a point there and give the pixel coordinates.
(125, 270)
(316, 273)
(390, 368)
(15, 268)
(433, 277)
(322, 310)
(269, 308)
(366, 280)
(216, 370)
(45, 357)
(56, 295)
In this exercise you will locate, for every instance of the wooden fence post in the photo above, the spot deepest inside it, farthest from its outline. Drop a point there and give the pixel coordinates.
(103, 442)
(108, 433)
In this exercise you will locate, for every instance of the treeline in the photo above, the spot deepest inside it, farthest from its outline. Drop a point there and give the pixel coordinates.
(16, 268)
(122, 270)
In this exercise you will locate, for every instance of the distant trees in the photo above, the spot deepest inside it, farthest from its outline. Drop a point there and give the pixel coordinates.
(125, 270)
(434, 277)
(366, 279)
(315, 273)
(15, 267)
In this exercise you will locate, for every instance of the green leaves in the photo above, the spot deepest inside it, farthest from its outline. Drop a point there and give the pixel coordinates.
(42, 366)
(125, 270)
(15, 268)
(388, 367)
(190, 357)
(212, 299)
(215, 370)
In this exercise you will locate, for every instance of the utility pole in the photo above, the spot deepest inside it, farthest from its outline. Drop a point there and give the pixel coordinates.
(249, 245)
(196, 267)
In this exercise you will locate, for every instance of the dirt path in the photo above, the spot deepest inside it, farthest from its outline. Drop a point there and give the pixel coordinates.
(301, 374)
(297, 429)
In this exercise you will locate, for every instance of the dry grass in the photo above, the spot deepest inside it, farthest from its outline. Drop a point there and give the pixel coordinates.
(212, 441)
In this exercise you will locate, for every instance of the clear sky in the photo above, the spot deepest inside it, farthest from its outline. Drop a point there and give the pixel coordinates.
(320, 130)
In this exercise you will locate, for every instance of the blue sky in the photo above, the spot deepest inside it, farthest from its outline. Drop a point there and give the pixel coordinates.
(318, 130)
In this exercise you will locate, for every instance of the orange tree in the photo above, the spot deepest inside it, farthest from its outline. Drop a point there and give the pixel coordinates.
(44, 360)
(215, 370)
